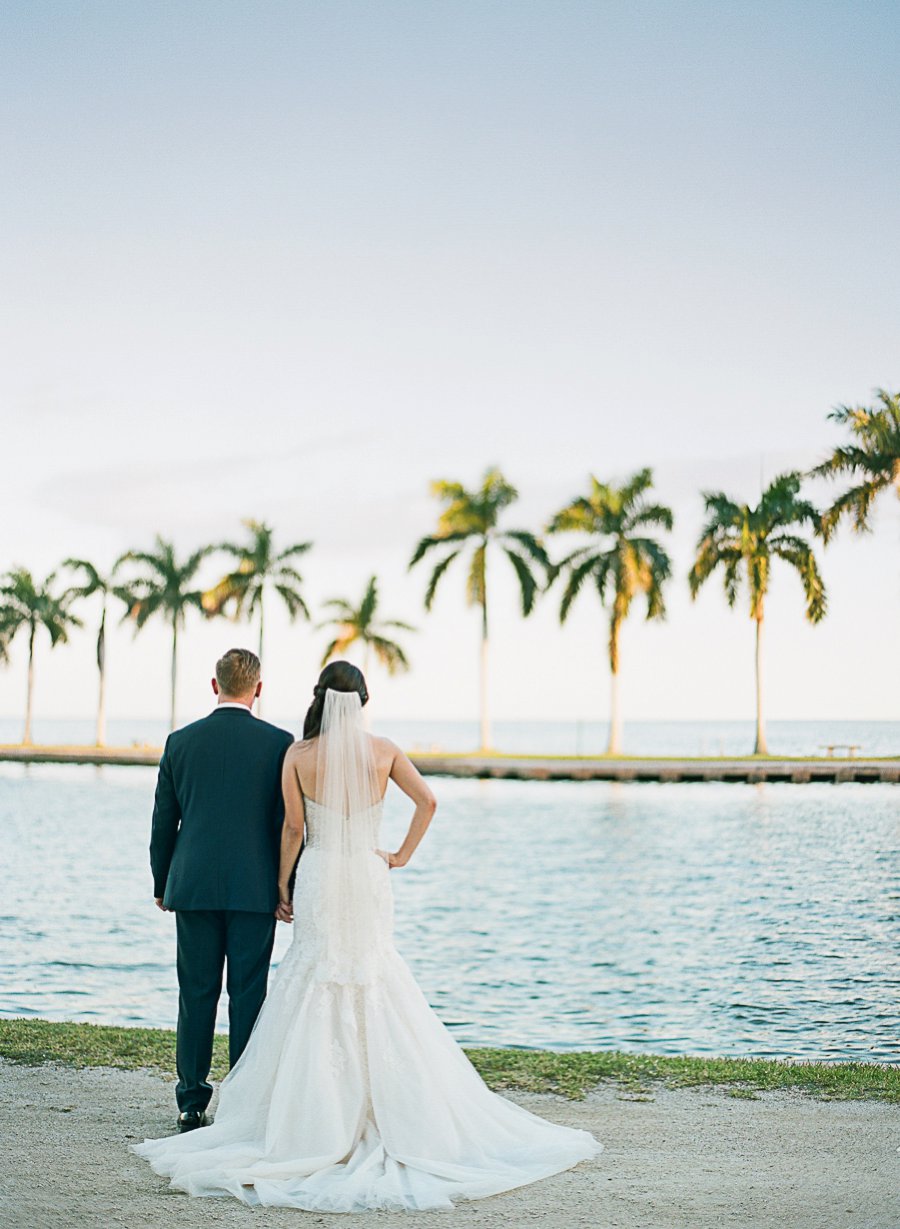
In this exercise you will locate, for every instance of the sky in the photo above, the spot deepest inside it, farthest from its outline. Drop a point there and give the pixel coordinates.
(294, 261)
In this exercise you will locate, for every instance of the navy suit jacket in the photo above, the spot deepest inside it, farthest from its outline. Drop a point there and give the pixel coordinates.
(218, 814)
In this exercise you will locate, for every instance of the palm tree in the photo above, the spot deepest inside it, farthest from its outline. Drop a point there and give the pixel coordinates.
(471, 517)
(163, 588)
(96, 582)
(8, 624)
(620, 561)
(737, 536)
(258, 568)
(360, 623)
(25, 603)
(873, 457)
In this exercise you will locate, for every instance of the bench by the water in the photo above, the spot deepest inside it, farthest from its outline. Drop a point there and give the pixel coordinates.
(830, 748)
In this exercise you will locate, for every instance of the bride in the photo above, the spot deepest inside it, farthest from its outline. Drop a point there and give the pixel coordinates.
(351, 1094)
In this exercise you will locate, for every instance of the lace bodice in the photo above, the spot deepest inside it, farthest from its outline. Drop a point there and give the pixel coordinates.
(343, 908)
(330, 831)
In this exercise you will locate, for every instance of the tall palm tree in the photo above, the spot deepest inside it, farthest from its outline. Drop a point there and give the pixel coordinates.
(242, 591)
(470, 518)
(360, 623)
(27, 603)
(741, 538)
(873, 457)
(164, 588)
(95, 581)
(620, 561)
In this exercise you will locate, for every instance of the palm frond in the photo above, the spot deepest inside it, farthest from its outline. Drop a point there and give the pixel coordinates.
(653, 514)
(284, 574)
(654, 568)
(400, 625)
(873, 455)
(93, 581)
(291, 552)
(436, 575)
(529, 545)
(634, 488)
(556, 569)
(855, 504)
(369, 603)
(344, 611)
(723, 511)
(427, 544)
(527, 583)
(712, 550)
(292, 600)
(577, 517)
(338, 645)
(801, 556)
(732, 578)
(390, 654)
(576, 578)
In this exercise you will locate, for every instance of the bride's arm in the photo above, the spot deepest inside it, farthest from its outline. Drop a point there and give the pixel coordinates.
(405, 775)
(291, 837)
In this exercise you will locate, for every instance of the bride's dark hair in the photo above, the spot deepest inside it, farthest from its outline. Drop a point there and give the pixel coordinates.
(337, 676)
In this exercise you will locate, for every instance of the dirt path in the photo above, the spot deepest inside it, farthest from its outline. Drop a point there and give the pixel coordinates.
(689, 1159)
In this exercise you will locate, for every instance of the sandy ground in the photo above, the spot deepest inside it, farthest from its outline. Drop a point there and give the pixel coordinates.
(688, 1159)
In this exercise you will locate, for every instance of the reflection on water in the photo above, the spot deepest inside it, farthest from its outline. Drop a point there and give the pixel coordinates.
(725, 919)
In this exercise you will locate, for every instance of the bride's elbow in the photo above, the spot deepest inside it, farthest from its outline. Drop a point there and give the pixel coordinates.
(429, 804)
(294, 825)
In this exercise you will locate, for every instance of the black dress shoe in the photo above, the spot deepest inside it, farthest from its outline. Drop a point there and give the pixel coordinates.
(191, 1119)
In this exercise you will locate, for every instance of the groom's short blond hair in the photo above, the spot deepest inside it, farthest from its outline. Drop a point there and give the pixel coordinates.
(237, 672)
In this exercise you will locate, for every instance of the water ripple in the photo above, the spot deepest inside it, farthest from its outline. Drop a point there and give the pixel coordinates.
(712, 919)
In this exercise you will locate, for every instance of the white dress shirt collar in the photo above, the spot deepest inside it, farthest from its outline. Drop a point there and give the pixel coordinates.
(233, 704)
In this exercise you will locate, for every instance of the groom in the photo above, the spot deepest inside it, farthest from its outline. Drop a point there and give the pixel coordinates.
(214, 853)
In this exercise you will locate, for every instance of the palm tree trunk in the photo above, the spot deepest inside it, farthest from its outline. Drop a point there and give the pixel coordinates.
(261, 630)
(483, 704)
(760, 748)
(174, 670)
(101, 669)
(29, 696)
(614, 746)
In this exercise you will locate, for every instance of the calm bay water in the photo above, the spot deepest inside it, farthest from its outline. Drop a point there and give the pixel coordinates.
(708, 918)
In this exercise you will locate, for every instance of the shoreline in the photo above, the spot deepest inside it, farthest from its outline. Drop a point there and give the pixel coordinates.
(797, 770)
(32, 1041)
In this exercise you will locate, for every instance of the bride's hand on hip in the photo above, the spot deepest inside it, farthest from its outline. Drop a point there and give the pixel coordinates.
(392, 859)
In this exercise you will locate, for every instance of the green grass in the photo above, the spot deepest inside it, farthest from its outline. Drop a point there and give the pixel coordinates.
(35, 1042)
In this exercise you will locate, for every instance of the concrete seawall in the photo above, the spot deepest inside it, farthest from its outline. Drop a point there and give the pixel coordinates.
(542, 768)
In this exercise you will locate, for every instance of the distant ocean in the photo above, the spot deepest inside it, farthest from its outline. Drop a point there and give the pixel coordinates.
(538, 737)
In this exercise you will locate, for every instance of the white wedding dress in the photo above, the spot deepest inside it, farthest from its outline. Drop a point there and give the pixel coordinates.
(351, 1094)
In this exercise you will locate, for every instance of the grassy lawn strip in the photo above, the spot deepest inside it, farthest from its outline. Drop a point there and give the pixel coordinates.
(571, 1073)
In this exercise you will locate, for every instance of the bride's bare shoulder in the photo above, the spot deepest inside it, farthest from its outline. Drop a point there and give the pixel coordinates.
(301, 750)
(383, 749)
